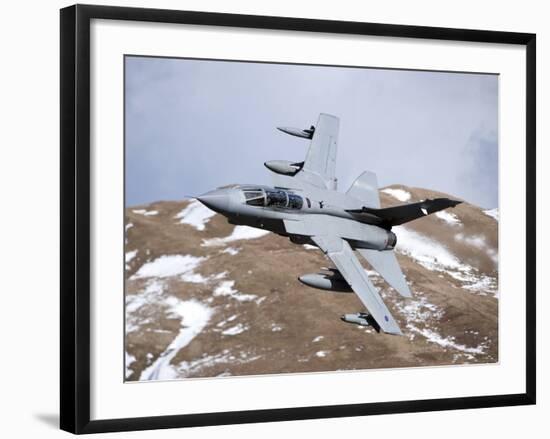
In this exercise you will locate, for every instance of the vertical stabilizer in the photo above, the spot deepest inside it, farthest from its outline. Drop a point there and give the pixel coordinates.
(365, 189)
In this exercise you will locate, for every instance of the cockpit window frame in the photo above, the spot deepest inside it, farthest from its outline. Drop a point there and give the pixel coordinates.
(295, 201)
(260, 196)
(253, 195)
(274, 198)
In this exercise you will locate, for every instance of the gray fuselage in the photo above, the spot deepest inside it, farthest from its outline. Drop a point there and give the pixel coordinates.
(293, 213)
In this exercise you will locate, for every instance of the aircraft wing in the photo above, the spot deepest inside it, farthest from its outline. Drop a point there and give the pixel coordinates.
(288, 182)
(319, 167)
(341, 254)
(386, 264)
(321, 156)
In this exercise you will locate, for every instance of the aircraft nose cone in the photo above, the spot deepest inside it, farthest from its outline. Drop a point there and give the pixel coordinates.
(215, 200)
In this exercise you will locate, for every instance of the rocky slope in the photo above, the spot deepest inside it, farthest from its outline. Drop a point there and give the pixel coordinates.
(205, 298)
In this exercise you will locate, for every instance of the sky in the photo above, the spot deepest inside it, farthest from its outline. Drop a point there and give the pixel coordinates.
(194, 125)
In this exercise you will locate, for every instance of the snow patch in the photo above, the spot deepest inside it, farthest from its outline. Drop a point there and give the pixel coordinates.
(321, 354)
(239, 233)
(484, 284)
(447, 342)
(194, 278)
(194, 317)
(448, 217)
(429, 253)
(493, 213)
(187, 368)
(372, 273)
(129, 360)
(130, 255)
(399, 194)
(149, 295)
(231, 251)
(436, 257)
(170, 265)
(195, 214)
(419, 310)
(126, 228)
(478, 242)
(474, 241)
(318, 339)
(145, 212)
(135, 302)
(235, 330)
(229, 319)
(128, 258)
(225, 288)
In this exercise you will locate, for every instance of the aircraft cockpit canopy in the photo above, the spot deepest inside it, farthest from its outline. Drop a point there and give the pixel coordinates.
(272, 198)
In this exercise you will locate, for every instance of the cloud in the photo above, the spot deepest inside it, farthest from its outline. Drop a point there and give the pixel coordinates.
(194, 125)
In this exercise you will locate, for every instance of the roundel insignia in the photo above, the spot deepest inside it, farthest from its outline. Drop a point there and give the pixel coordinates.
(386, 318)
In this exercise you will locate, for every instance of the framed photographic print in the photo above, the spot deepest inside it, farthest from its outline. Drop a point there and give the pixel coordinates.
(271, 210)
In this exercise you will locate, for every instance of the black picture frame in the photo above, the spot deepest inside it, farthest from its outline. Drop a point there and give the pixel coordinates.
(75, 217)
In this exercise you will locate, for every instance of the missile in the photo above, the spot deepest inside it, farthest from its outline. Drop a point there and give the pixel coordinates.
(283, 167)
(360, 318)
(331, 282)
(305, 134)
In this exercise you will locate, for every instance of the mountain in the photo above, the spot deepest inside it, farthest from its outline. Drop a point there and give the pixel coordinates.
(205, 298)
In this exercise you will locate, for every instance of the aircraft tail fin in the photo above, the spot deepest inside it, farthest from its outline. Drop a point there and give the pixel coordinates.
(365, 189)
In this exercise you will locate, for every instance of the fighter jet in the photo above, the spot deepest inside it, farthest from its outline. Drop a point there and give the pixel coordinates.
(305, 206)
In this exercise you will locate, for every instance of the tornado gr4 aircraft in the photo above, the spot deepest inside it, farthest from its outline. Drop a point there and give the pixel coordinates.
(305, 206)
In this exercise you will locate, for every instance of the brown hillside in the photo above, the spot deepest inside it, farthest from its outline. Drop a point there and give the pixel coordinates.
(201, 306)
